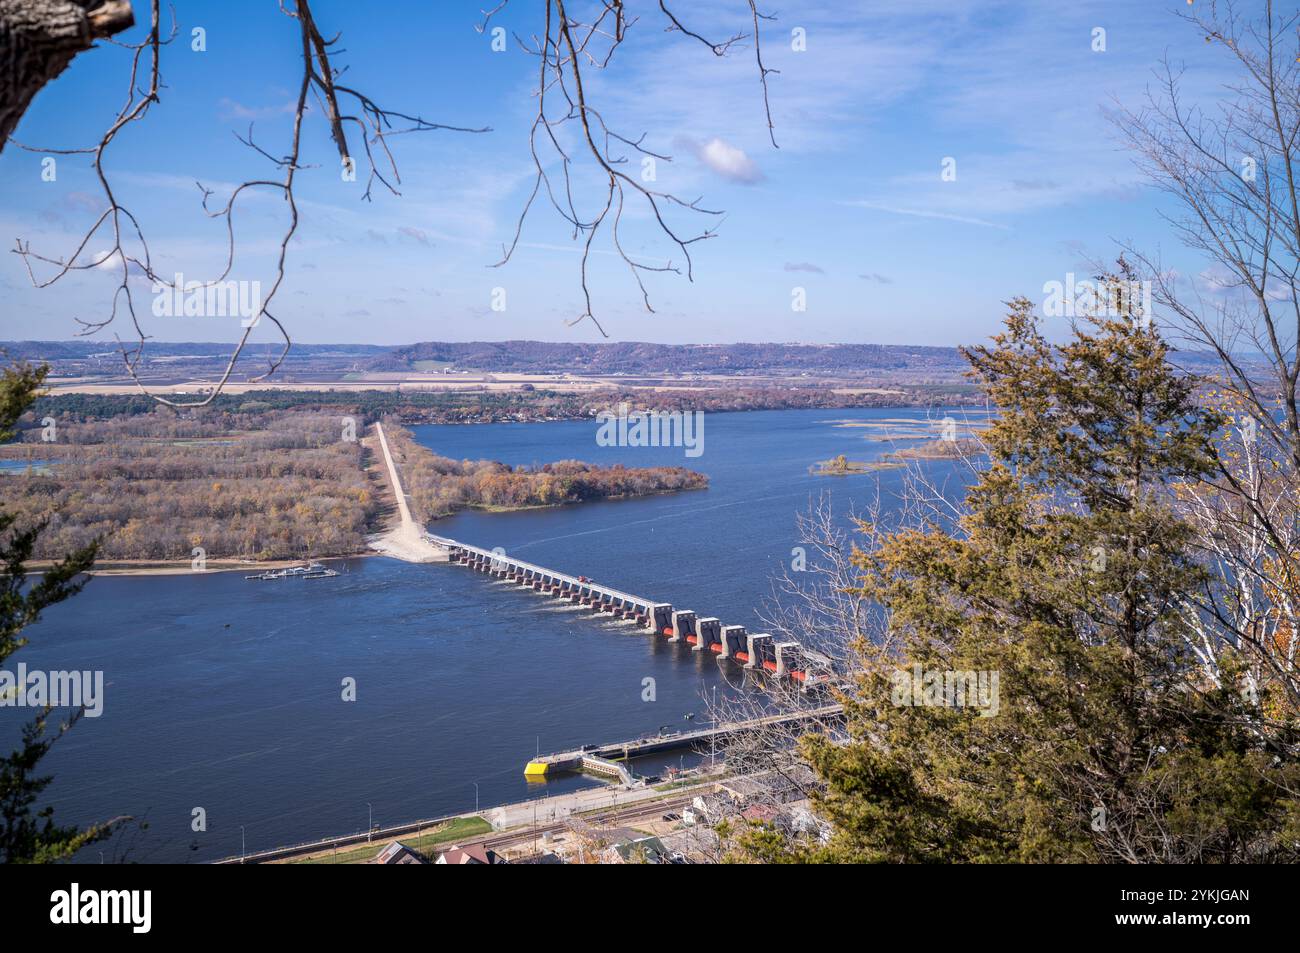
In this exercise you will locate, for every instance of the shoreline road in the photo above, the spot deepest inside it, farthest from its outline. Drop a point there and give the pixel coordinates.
(513, 824)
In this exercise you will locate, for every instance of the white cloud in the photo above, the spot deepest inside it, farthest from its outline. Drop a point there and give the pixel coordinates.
(728, 161)
(106, 260)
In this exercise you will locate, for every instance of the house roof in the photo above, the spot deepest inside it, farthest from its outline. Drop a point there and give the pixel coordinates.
(473, 854)
(398, 853)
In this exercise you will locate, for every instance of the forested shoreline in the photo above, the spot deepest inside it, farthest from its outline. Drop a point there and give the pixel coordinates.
(158, 487)
(439, 486)
(259, 484)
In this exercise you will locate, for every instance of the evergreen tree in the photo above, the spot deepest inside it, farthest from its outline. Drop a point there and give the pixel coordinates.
(1103, 740)
(29, 835)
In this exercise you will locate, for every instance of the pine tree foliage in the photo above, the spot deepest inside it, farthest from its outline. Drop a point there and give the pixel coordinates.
(28, 834)
(1060, 587)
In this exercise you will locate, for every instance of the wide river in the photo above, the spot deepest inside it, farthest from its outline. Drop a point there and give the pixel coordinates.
(225, 694)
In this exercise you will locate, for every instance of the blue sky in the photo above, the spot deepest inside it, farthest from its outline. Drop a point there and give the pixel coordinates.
(852, 206)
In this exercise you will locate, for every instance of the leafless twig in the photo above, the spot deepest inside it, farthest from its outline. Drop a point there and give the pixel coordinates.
(319, 77)
(565, 47)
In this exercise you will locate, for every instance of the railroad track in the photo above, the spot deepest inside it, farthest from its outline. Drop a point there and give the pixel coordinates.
(620, 816)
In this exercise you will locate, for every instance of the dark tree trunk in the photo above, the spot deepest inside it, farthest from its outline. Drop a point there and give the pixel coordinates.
(39, 38)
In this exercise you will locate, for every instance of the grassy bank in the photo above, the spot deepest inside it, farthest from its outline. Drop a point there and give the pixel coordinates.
(456, 830)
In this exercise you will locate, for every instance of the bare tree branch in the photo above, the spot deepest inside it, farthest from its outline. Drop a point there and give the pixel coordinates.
(564, 49)
(130, 252)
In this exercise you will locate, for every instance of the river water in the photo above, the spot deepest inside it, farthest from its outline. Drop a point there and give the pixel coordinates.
(226, 695)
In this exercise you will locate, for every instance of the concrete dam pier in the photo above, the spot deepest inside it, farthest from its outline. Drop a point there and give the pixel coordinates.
(753, 650)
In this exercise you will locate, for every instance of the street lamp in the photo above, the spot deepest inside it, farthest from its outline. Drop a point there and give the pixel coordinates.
(242, 849)
(475, 797)
(371, 829)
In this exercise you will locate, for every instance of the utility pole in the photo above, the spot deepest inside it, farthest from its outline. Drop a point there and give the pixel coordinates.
(713, 737)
